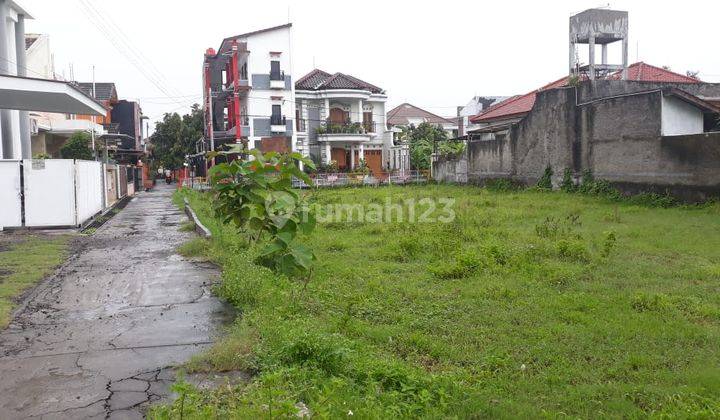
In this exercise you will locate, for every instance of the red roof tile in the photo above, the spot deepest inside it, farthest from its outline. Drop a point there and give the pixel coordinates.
(519, 105)
(644, 72)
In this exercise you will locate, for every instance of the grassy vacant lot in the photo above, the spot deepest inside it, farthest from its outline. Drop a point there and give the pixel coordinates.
(25, 260)
(528, 304)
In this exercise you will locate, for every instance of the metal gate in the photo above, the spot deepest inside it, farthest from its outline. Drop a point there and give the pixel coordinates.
(10, 197)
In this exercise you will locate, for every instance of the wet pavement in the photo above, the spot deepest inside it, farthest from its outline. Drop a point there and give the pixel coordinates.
(99, 339)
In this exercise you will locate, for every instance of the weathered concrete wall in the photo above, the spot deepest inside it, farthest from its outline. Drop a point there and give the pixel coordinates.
(612, 129)
(614, 135)
(453, 170)
(489, 159)
(545, 137)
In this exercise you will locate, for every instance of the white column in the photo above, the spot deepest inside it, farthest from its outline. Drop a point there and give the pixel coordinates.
(328, 151)
(360, 111)
(624, 58)
(591, 48)
(603, 49)
(361, 154)
(352, 157)
(327, 108)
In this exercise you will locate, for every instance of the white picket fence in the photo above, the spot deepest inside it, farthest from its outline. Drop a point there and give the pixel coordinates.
(55, 192)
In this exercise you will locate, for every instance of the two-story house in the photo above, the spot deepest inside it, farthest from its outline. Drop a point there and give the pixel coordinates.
(341, 118)
(248, 91)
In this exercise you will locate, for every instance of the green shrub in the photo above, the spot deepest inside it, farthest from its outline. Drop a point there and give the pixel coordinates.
(549, 228)
(77, 147)
(654, 200)
(462, 266)
(608, 244)
(572, 251)
(568, 184)
(193, 248)
(322, 351)
(545, 181)
(501, 185)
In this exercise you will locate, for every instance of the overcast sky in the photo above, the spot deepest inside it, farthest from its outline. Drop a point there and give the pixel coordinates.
(435, 55)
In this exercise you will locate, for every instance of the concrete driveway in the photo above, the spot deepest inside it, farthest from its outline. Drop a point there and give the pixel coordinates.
(99, 339)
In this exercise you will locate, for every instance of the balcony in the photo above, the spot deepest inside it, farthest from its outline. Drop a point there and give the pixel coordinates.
(277, 80)
(345, 132)
(278, 124)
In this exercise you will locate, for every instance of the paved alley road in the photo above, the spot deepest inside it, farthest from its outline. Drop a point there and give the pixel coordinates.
(97, 340)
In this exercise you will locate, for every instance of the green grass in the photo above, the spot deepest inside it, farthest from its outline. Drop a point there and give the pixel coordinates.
(27, 260)
(528, 304)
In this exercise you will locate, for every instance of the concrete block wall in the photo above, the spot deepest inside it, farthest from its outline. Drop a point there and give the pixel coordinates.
(618, 138)
(452, 170)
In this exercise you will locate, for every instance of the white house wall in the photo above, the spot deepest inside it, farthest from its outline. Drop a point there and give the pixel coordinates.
(258, 63)
(679, 117)
(39, 58)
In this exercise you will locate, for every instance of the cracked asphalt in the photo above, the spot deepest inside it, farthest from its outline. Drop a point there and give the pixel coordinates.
(100, 338)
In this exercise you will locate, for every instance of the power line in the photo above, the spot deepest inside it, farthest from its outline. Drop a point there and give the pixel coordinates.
(101, 24)
(124, 38)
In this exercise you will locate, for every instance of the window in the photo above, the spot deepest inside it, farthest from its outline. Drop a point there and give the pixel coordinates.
(368, 122)
(275, 70)
(276, 117)
(243, 72)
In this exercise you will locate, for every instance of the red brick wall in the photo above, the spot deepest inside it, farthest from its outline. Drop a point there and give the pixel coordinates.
(279, 144)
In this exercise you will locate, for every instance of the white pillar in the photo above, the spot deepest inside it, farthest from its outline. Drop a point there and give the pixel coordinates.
(361, 154)
(360, 111)
(328, 151)
(591, 47)
(603, 49)
(624, 58)
(327, 108)
(352, 157)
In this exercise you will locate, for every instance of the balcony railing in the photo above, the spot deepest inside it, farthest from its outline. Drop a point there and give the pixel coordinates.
(277, 76)
(277, 120)
(347, 128)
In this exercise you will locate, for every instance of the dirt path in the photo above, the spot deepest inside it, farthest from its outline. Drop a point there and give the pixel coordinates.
(99, 339)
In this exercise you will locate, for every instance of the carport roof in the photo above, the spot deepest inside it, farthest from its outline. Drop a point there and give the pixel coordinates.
(31, 94)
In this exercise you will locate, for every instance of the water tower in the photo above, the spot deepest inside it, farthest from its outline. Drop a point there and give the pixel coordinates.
(598, 26)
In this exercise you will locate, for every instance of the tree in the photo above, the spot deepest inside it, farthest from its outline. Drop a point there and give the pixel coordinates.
(423, 140)
(77, 147)
(175, 137)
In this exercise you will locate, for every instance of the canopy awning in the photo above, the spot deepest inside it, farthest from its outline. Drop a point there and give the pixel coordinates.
(30, 94)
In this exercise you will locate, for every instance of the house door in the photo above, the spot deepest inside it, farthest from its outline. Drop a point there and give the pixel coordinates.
(338, 155)
(338, 116)
(373, 160)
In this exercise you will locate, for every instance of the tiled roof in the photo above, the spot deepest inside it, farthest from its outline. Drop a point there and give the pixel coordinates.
(321, 80)
(103, 91)
(644, 72)
(400, 114)
(519, 105)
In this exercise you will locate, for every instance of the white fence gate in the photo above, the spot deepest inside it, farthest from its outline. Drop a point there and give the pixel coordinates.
(55, 192)
(88, 189)
(49, 192)
(10, 197)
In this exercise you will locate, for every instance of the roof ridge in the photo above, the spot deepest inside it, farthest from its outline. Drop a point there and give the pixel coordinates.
(397, 109)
